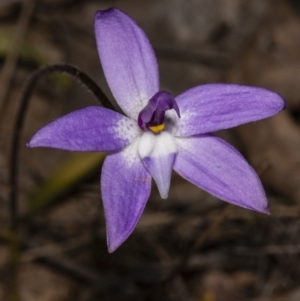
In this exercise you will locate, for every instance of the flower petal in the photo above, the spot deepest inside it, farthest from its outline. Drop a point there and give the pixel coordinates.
(158, 153)
(125, 187)
(128, 60)
(217, 167)
(90, 129)
(214, 107)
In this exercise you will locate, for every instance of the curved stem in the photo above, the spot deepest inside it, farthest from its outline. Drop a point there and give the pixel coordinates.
(21, 114)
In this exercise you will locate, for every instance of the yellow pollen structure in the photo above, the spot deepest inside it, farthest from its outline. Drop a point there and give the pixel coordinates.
(157, 128)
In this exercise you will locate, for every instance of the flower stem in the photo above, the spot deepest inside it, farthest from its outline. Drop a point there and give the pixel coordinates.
(14, 154)
(84, 79)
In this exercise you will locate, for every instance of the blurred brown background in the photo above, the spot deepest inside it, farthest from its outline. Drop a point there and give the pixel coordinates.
(191, 246)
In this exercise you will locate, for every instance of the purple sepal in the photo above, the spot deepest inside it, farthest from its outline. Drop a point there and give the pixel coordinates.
(125, 187)
(213, 107)
(154, 112)
(93, 129)
(217, 167)
(127, 59)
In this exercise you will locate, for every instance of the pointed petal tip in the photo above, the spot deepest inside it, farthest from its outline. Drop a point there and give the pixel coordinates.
(281, 102)
(116, 239)
(37, 140)
(284, 107)
(32, 142)
(112, 247)
(259, 204)
(262, 209)
(266, 211)
(110, 250)
(164, 195)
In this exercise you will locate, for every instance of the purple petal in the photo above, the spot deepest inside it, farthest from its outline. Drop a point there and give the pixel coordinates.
(158, 153)
(217, 167)
(90, 129)
(214, 107)
(128, 60)
(125, 187)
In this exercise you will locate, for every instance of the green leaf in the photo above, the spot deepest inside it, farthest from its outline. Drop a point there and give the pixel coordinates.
(65, 178)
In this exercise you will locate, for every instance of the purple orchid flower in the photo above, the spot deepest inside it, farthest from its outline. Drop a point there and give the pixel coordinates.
(161, 133)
